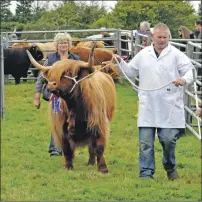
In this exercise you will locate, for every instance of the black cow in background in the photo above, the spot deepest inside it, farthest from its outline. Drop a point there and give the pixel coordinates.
(16, 61)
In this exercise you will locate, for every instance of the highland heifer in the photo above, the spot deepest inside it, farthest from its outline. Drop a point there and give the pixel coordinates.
(88, 106)
(100, 54)
(16, 61)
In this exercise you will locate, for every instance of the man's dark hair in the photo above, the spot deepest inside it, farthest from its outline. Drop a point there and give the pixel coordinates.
(199, 22)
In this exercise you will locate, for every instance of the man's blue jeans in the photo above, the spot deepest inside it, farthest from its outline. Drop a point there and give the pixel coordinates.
(167, 137)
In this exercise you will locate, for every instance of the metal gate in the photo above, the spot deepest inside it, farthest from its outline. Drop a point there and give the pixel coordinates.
(5, 42)
(193, 50)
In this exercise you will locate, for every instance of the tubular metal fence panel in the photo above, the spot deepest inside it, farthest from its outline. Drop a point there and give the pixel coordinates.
(194, 51)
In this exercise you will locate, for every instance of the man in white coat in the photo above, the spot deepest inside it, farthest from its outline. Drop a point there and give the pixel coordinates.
(162, 110)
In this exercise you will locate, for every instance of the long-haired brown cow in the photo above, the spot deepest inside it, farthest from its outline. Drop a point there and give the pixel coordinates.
(21, 45)
(45, 48)
(90, 44)
(100, 54)
(89, 107)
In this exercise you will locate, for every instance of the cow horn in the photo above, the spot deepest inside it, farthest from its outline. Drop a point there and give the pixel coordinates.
(25, 38)
(90, 62)
(91, 56)
(82, 64)
(35, 63)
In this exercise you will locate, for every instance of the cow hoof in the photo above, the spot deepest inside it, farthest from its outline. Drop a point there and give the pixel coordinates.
(91, 162)
(69, 167)
(103, 169)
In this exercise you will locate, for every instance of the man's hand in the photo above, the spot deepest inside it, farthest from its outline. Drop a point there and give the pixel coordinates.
(179, 82)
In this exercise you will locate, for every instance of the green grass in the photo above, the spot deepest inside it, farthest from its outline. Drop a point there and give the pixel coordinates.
(29, 174)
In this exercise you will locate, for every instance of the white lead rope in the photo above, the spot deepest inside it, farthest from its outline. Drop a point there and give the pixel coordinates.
(196, 98)
(143, 89)
(155, 89)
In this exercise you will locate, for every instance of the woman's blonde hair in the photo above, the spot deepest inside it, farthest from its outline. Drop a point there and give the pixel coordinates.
(59, 37)
(185, 32)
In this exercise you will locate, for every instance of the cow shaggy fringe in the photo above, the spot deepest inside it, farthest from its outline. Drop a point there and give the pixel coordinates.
(111, 69)
(99, 99)
(57, 121)
(98, 94)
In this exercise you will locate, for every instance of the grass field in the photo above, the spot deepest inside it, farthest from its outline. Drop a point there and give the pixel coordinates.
(29, 174)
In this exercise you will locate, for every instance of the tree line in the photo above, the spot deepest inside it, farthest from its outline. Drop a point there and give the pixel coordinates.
(36, 15)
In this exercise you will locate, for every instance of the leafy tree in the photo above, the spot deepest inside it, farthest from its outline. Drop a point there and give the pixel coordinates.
(38, 8)
(10, 26)
(67, 1)
(90, 13)
(175, 14)
(69, 15)
(109, 21)
(24, 10)
(6, 14)
(200, 10)
(61, 18)
(128, 14)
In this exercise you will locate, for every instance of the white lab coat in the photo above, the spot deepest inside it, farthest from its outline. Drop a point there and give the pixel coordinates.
(162, 108)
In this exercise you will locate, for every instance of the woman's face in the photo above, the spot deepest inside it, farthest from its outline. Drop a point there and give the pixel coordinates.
(63, 46)
(142, 28)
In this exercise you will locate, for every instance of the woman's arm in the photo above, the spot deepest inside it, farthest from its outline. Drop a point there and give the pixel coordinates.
(39, 85)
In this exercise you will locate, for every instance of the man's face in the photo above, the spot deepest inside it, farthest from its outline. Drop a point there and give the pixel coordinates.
(160, 38)
(197, 27)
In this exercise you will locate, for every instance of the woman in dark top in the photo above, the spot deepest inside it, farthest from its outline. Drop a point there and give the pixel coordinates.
(63, 43)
